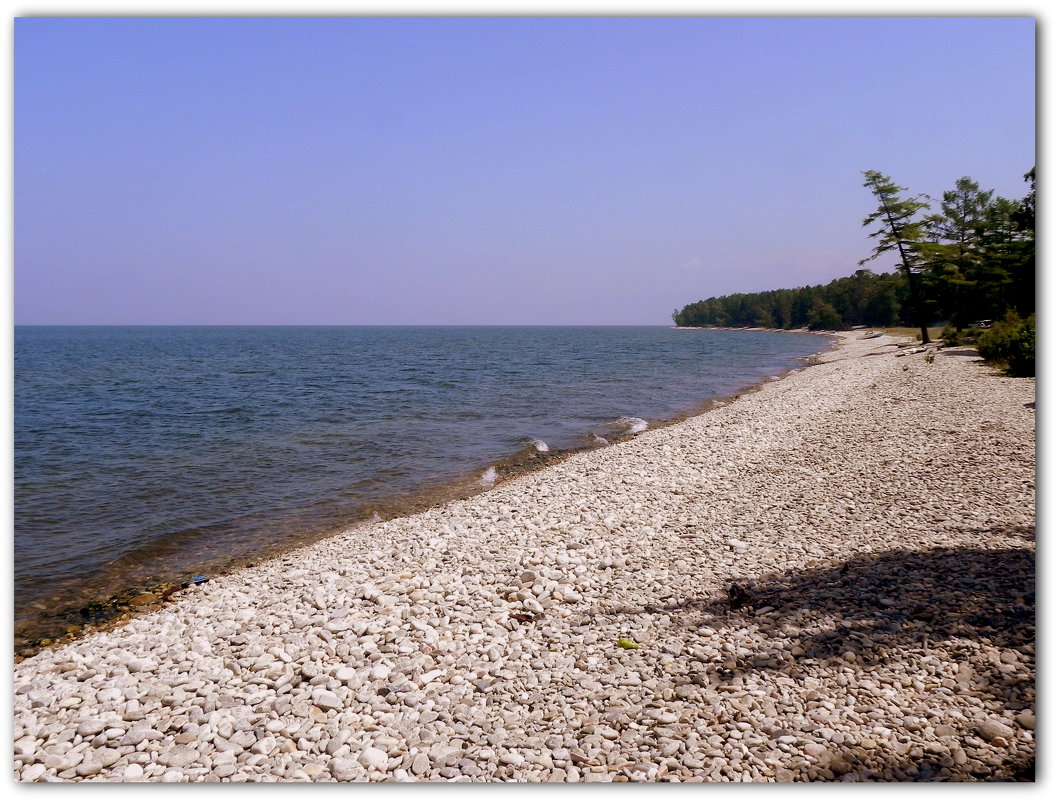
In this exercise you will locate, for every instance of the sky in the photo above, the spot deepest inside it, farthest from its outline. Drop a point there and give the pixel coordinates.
(360, 171)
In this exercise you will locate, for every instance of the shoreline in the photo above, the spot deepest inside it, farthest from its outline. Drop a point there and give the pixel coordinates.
(68, 622)
(477, 640)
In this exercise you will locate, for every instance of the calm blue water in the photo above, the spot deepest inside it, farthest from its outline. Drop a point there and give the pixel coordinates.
(166, 452)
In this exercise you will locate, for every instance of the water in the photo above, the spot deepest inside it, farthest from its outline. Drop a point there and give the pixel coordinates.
(157, 453)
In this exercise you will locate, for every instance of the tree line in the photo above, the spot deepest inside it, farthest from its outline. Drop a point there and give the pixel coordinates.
(971, 259)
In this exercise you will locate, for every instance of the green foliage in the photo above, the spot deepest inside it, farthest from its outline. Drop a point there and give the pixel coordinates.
(823, 317)
(980, 257)
(973, 260)
(900, 228)
(864, 298)
(950, 336)
(1025, 215)
(1010, 342)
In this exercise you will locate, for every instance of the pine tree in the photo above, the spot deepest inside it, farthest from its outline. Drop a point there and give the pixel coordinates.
(902, 230)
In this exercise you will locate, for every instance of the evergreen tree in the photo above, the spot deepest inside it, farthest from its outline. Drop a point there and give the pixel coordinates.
(954, 256)
(1023, 219)
(900, 229)
(975, 259)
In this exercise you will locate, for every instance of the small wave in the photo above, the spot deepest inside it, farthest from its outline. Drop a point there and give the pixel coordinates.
(540, 445)
(597, 440)
(488, 478)
(633, 425)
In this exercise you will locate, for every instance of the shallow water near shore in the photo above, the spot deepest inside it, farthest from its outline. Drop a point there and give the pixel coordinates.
(153, 454)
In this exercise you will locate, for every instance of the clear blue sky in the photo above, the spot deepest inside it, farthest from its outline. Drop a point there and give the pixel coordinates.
(483, 171)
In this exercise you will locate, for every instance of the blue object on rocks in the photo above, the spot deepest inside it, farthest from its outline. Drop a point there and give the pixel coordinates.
(199, 580)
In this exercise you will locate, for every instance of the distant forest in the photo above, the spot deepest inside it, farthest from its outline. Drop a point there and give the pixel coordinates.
(972, 259)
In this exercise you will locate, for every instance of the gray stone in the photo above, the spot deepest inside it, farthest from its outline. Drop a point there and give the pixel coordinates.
(91, 727)
(63, 762)
(25, 746)
(990, 729)
(1025, 719)
(420, 764)
(815, 750)
(89, 767)
(31, 773)
(371, 757)
(179, 757)
(137, 735)
(345, 769)
(327, 700)
(107, 756)
(133, 772)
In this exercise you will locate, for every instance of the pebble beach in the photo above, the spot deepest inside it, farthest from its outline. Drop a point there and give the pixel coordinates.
(830, 578)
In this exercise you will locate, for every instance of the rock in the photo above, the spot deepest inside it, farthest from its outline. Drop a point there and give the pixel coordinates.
(375, 758)
(990, 729)
(91, 727)
(89, 767)
(108, 756)
(63, 762)
(1025, 719)
(25, 746)
(344, 769)
(326, 700)
(179, 757)
(133, 772)
(345, 674)
(420, 764)
(31, 773)
(137, 735)
(816, 750)
(597, 777)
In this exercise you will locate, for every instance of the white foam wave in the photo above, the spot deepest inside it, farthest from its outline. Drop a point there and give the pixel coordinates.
(488, 478)
(597, 440)
(633, 425)
(540, 445)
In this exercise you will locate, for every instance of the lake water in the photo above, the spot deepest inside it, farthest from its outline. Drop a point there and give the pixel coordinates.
(159, 453)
